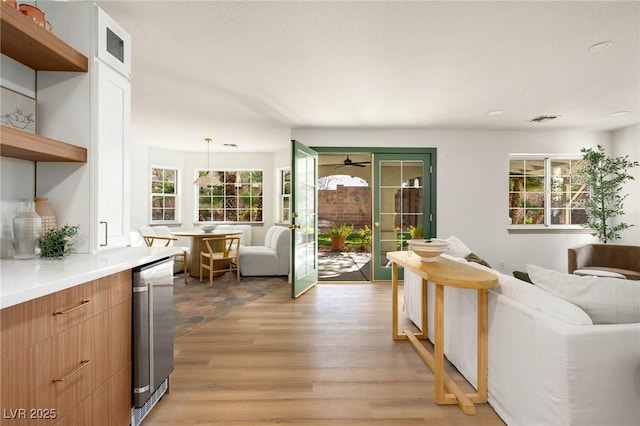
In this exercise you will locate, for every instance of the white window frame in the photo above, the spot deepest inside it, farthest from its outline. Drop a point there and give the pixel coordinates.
(281, 196)
(546, 225)
(176, 197)
(196, 198)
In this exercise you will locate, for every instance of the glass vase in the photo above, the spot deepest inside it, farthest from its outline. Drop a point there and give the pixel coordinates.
(27, 229)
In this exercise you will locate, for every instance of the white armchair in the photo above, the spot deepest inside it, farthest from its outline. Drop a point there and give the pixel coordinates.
(271, 259)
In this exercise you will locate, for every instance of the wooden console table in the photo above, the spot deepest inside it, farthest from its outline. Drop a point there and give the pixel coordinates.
(445, 272)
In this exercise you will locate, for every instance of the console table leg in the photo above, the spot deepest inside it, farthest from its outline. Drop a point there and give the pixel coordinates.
(438, 350)
(483, 326)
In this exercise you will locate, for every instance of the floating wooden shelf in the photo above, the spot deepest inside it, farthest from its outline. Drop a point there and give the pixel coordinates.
(30, 44)
(27, 146)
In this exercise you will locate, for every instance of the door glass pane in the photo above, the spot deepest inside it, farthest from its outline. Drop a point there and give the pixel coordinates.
(304, 221)
(305, 209)
(401, 204)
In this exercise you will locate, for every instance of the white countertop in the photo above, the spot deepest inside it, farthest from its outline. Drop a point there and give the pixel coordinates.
(23, 280)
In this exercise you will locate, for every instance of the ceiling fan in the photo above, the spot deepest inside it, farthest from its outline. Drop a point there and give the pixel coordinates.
(349, 163)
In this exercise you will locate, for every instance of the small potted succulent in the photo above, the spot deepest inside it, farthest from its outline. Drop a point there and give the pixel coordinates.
(339, 234)
(56, 242)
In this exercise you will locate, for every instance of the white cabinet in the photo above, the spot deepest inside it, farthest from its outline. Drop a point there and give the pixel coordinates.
(112, 108)
(90, 110)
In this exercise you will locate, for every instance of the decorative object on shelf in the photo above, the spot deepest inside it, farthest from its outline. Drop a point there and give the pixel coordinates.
(605, 176)
(428, 250)
(47, 215)
(35, 14)
(12, 3)
(56, 242)
(208, 179)
(339, 234)
(27, 228)
(17, 110)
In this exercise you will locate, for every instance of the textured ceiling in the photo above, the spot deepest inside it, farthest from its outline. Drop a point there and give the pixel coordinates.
(246, 73)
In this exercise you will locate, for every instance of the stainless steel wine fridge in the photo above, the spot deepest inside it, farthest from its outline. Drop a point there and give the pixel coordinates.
(152, 335)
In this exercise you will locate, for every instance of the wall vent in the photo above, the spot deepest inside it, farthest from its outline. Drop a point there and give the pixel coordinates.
(543, 118)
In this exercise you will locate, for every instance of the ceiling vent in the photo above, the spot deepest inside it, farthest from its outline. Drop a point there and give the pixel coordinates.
(543, 118)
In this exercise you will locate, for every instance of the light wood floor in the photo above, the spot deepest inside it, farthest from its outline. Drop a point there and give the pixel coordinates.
(324, 359)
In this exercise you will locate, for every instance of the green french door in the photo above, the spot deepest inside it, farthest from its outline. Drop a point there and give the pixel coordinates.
(404, 199)
(304, 221)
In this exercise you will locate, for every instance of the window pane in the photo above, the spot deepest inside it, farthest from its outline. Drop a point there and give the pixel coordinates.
(517, 216)
(527, 179)
(231, 201)
(163, 194)
(156, 214)
(169, 214)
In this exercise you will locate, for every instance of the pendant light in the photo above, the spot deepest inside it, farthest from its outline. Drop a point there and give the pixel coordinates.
(208, 179)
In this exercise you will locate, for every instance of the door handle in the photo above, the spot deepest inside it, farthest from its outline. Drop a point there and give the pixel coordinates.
(296, 226)
(106, 233)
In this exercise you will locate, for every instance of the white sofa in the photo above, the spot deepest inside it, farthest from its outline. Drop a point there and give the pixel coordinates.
(246, 237)
(548, 364)
(270, 259)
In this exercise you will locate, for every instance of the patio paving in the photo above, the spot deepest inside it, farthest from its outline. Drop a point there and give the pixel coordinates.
(344, 266)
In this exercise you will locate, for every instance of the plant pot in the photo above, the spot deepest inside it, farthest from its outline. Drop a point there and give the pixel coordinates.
(337, 243)
(56, 251)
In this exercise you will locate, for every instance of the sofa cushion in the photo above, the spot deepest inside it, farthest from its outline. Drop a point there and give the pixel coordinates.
(537, 298)
(472, 257)
(457, 248)
(606, 300)
(522, 276)
(626, 273)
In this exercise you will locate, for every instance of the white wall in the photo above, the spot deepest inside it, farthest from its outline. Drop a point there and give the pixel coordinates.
(17, 177)
(472, 183)
(627, 142)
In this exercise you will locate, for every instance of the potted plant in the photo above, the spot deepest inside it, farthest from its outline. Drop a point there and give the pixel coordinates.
(339, 234)
(56, 242)
(605, 176)
(416, 232)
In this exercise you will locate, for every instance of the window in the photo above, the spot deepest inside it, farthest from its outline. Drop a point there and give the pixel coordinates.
(283, 208)
(543, 191)
(164, 192)
(236, 198)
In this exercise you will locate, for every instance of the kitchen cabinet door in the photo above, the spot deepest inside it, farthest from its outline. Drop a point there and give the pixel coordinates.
(113, 104)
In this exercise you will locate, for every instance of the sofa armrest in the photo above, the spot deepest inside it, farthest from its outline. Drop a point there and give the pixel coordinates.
(579, 257)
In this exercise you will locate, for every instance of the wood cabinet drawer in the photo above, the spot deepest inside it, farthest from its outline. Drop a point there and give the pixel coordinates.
(54, 375)
(107, 406)
(112, 290)
(31, 322)
(112, 345)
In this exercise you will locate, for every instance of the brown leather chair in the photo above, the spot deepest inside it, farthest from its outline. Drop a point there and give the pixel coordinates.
(622, 259)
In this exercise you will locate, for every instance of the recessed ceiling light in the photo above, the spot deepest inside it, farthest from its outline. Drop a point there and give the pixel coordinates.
(619, 113)
(496, 112)
(600, 46)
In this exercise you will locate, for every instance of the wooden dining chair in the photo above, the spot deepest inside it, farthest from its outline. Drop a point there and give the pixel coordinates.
(163, 241)
(222, 255)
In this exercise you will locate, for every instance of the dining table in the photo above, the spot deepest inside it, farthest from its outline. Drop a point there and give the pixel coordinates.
(197, 244)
